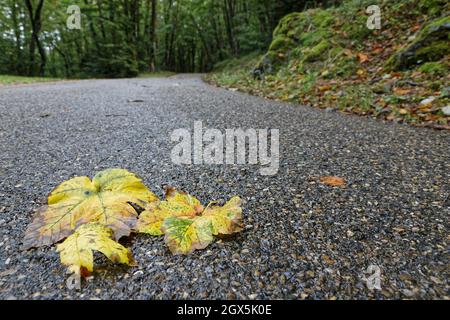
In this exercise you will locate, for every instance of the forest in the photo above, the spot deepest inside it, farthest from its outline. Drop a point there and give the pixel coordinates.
(121, 38)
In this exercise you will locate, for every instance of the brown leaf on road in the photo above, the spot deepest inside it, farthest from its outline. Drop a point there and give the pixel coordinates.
(332, 181)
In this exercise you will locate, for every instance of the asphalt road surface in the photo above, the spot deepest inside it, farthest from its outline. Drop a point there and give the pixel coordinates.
(302, 240)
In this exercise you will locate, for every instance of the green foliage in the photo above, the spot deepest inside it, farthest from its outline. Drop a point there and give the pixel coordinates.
(329, 58)
(362, 94)
(123, 38)
(430, 44)
(117, 37)
(7, 79)
(281, 44)
(160, 74)
(434, 68)
(316, 52)
(432, 7)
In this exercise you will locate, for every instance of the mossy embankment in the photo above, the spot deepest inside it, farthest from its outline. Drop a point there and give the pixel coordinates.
(329, 58)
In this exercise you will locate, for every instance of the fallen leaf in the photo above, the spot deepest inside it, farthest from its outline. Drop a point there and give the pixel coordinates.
(362, 57)
(225, 219)
(391, 116)
(324, 88)
(183, 235)
(177, 204)
(377, 50)
(187, 225)
(76, 251)
(348, 52)
(415, 28)
(105, 199)
(332, 181)
(328, 260)
(401, 91)
(361, 72)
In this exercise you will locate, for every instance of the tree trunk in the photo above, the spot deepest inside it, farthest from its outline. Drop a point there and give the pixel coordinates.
(153, 37)
(229, 11)
(36, 25)
(18, 36)
(93, 32)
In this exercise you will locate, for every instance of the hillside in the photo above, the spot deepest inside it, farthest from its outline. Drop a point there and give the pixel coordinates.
(329, 58)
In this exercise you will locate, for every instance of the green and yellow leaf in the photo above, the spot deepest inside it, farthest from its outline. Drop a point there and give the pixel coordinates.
(76, 251)
(186, 225)
(177, 204)
(227, 219)
(184, 235)
(105, 199)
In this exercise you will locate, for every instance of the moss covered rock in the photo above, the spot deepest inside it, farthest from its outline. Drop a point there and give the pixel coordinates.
(432, 7)
(302, 35)
(431, 44)
(315, 53)
(434, 68)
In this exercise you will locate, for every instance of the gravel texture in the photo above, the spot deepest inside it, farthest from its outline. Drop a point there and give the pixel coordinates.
(302, 239)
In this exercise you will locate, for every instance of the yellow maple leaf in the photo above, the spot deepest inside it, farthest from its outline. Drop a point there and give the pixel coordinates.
(105, 199)
(186, 224)
(177, 204)
(226, 219)
(76, 251)
(184, 235)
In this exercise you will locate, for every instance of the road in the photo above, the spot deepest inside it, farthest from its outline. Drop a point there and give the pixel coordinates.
(303, 239)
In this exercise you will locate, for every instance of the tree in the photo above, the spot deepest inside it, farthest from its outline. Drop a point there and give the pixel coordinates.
(36, 25)
(153, 39)
(120, 38)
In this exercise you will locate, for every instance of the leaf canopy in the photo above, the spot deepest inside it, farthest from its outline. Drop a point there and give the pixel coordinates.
(77, 201)
(76, 251)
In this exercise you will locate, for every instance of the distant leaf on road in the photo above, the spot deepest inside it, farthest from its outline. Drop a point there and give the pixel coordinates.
(332, 181)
